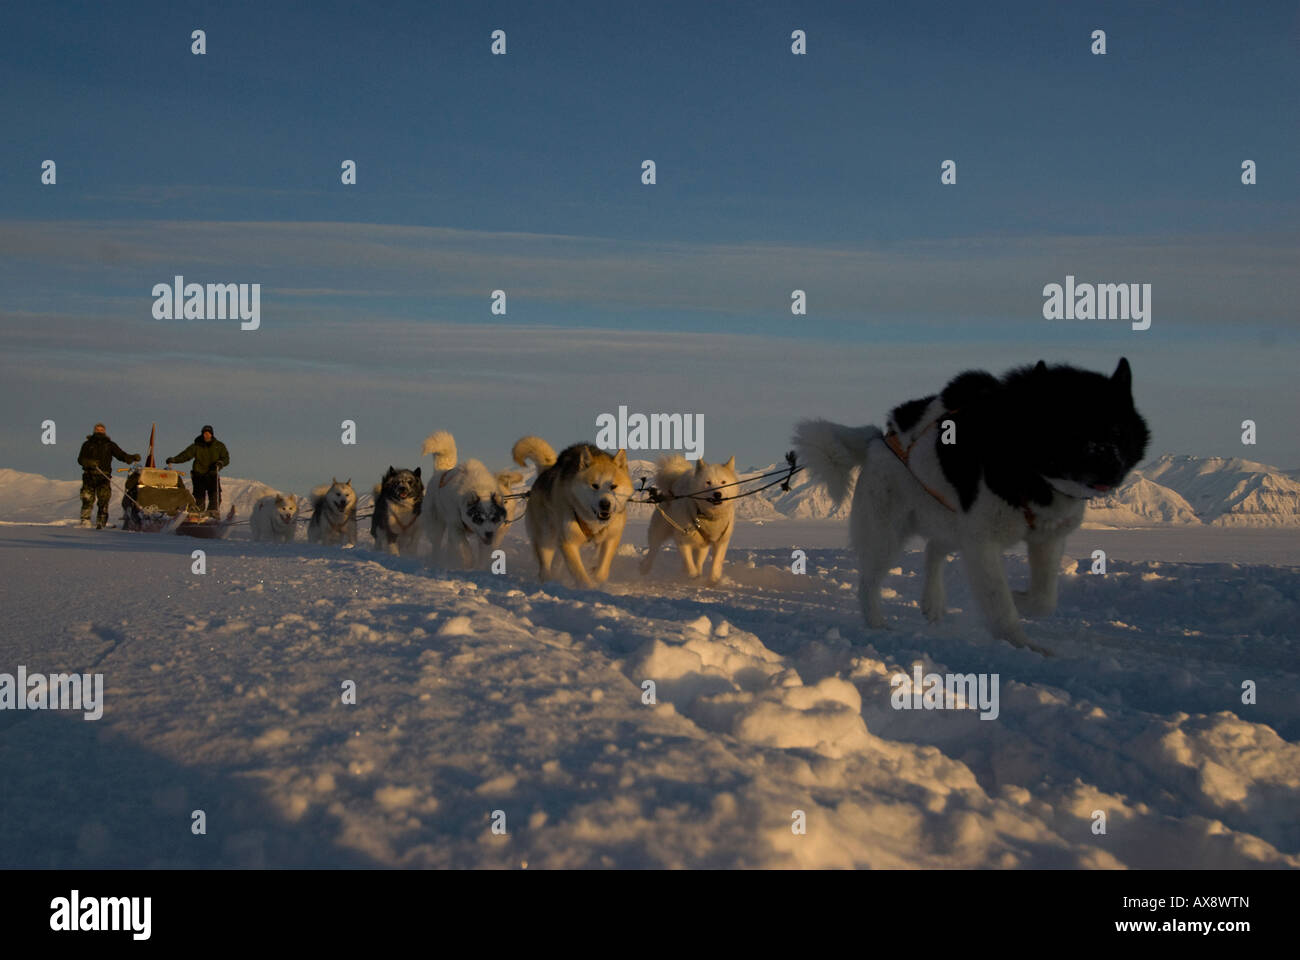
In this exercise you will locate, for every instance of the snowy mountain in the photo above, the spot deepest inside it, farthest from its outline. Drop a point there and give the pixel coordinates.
(1141, 502)
(1177, 490)
(1168, 490)
(1221, 491)
(1231, 491)
(33, 498)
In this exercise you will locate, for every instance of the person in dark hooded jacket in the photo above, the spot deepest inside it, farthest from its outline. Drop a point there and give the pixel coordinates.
(96, 459)
(209, 455)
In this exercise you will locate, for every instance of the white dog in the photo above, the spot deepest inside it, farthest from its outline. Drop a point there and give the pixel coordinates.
(697, 516)
(334, 514)
(464, 505)
(275, 518)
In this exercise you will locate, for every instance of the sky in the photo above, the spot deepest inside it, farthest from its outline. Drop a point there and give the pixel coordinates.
(522, 172)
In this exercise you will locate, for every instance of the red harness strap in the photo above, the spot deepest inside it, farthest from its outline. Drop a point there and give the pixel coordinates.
(904, 453)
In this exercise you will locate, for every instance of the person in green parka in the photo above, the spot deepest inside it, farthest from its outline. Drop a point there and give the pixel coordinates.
(96, 460)
(210, 456)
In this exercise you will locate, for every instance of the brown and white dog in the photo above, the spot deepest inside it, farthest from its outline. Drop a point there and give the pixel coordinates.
(579, 497)
(333, 514)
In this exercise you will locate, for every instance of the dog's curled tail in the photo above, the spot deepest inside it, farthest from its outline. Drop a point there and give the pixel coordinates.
(443, 447)
(833, 452)
(535, 449)
(670, 469)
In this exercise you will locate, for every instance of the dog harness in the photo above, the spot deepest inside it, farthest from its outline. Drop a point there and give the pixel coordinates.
(904, 453)
(694, 527)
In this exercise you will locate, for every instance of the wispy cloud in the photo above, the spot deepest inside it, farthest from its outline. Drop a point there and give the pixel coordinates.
(1205, 279)
(279, 395)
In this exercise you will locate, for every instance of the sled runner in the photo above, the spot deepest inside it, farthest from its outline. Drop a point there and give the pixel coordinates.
(157, 501)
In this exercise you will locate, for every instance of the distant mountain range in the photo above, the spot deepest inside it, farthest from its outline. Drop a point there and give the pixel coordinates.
(1219, 491)
(1170, 490)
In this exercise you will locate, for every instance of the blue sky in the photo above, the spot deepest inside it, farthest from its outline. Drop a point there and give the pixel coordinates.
(522, 172)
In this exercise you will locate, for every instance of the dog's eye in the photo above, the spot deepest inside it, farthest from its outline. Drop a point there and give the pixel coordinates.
(595, 486)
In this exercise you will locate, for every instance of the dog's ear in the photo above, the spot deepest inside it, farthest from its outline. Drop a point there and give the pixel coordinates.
(417, 472)
(333, 481)
(390, 472)
(731, 464)
(1041, 367)
(347, 482)
(699, 465)
(584, 458)
(620, 459)
(1123, 376)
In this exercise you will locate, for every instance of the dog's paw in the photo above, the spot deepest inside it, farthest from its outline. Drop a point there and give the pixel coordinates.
(1015, 635)
(1030, 606)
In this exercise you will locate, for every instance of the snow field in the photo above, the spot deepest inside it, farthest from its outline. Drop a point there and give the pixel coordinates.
(478, 693)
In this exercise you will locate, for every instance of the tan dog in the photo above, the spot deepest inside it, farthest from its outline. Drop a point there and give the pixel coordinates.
(696, 516)
(579, 497)
(333, 514)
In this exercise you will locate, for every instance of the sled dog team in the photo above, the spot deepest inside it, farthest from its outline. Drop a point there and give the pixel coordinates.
(986, 463)
(579, 497)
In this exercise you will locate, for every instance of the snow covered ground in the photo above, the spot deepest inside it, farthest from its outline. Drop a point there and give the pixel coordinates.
(478, 693)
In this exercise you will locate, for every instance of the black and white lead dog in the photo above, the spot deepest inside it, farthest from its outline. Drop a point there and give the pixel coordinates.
(986, 463)
(398, 498)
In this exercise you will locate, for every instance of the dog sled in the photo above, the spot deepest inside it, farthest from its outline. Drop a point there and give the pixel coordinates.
(157, 501)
